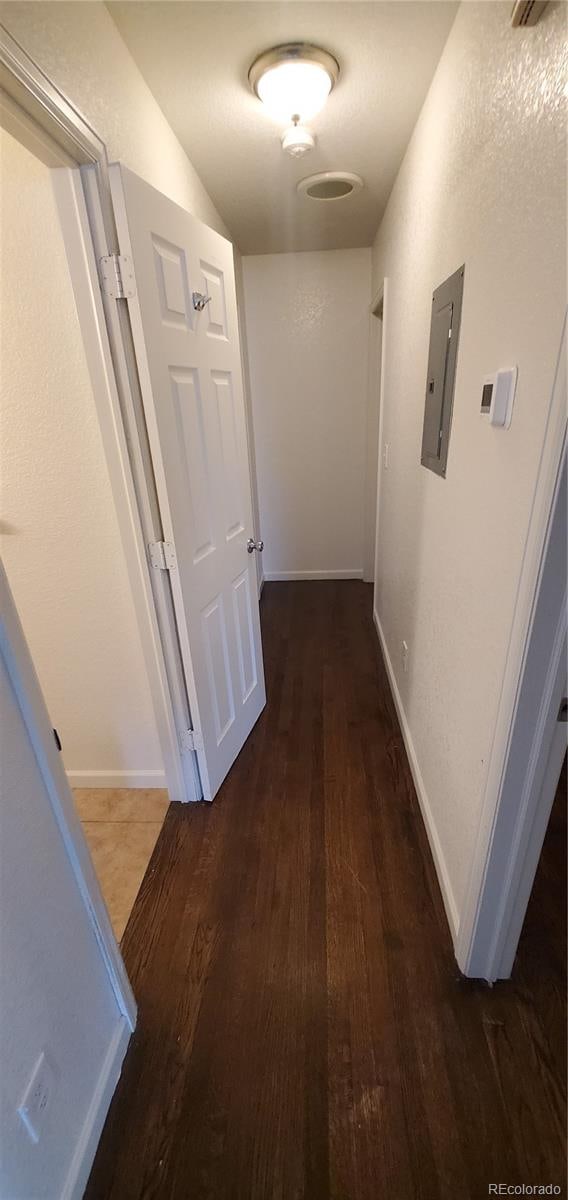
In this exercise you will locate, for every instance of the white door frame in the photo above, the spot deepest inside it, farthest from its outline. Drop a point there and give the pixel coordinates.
(528, 744)
(40, 116)
(377, 310)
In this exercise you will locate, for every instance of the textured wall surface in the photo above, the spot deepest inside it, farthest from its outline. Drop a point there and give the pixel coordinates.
(307, 327)
(81, 50)
(483, 184)
(61, 544)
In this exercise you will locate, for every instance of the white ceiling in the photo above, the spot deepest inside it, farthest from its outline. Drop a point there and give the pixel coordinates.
(195, 58)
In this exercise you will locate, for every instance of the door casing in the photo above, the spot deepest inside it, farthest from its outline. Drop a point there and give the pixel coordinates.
(377, 348)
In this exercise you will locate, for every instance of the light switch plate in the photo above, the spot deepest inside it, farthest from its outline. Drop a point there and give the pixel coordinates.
(37, 1097)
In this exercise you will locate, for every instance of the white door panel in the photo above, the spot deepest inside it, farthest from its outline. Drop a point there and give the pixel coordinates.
(63, 991)
(190, 373)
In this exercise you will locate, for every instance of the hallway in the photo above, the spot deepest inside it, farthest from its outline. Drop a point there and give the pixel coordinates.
(303, 1030)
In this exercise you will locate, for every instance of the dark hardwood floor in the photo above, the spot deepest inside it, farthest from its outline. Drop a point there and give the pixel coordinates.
(303, 1028)
(540, 966)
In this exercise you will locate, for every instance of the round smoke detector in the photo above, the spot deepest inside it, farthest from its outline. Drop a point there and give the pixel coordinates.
(330, 185)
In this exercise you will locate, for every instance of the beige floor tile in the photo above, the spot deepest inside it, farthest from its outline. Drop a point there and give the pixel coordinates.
(121, 804)
(121, 852)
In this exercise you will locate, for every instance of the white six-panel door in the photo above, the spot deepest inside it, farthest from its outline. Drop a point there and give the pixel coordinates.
(190, 374)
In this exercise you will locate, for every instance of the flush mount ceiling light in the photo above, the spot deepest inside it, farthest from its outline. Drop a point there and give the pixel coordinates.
(294, 80)
(330, 185)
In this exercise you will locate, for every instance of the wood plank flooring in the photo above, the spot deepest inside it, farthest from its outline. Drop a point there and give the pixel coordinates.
(304, 1032)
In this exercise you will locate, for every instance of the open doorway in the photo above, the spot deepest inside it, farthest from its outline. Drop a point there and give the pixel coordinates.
(61, 546)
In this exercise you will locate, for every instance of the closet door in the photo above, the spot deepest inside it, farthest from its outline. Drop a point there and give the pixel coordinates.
(184, 321)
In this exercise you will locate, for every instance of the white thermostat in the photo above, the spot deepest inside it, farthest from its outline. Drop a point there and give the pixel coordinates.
(498, 395)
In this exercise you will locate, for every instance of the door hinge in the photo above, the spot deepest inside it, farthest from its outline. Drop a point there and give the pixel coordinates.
(191, 740)
(162, 556)
(117, 276)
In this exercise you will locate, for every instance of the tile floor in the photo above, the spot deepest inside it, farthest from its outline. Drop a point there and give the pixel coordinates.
(121, 826)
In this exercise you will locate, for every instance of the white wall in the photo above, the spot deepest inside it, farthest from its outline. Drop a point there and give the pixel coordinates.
(482, 183)
(307, 326)
(60, 540)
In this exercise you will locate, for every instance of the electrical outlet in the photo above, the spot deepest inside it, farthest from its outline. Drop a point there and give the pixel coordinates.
(386, 456)
(37, 1097)
(405, 657)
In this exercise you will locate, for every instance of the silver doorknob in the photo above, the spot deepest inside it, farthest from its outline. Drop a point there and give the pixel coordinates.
(199, 301)
(252, 545)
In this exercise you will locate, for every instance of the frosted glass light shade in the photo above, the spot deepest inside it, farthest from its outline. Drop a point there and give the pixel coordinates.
(294, 80)
(294, 89)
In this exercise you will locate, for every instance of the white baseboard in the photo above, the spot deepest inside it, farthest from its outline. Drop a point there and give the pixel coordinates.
(117, 779)
(435, 846)
(85, 1149)
(344, 573)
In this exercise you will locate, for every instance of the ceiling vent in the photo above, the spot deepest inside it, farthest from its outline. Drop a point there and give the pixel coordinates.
(330, 185)
(527, 12)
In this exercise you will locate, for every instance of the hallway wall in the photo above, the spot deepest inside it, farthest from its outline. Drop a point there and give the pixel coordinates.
(307, 318)
(483, 184)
